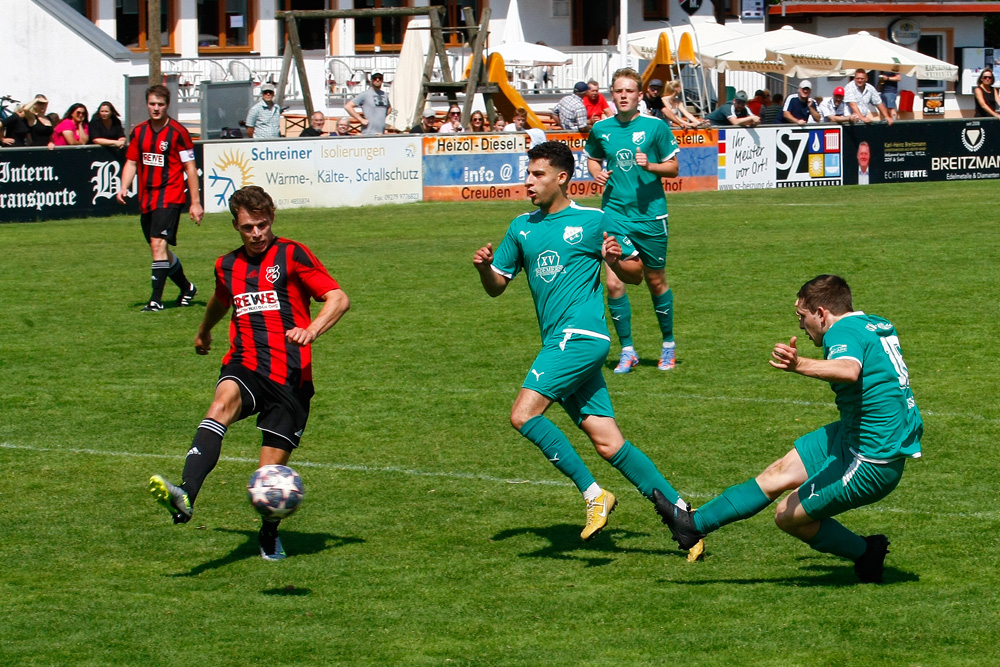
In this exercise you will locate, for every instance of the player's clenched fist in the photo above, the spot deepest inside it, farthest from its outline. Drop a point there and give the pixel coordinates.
(483, 257)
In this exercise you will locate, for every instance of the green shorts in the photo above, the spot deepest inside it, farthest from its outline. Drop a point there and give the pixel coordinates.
(650, 238)
(839, 480)
(569, 371)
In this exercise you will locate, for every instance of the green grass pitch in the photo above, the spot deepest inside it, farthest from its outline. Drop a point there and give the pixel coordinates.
(431, 533)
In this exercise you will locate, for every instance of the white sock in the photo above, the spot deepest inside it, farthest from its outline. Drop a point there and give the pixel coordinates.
(668, 345)
(629, 348)
(592, 492)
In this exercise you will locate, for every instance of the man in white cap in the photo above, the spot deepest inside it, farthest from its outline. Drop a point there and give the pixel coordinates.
(571, 110)
(264, 118)
(802, 108)
(834, 109)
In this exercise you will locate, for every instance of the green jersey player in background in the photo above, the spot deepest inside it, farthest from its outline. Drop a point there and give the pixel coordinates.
(850, 463)
(560, 248)
(639, 151)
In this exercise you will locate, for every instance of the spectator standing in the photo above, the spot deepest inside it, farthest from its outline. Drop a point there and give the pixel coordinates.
(264, 118)
(597, 106)
(453, 123)
(426, 124)
(734, 113)
(986, 96)
(317, 122)
(834, 109)
(72, 130)
(861, 96)
(802, 108)
(374, 104)
(888, 88)
(759, 101)
(43, 129)
(106, 127)
(772, 112)
(571, 110)
(14, 129)
(651, 103)
(161, 152)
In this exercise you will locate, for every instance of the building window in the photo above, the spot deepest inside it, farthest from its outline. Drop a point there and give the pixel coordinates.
(224, 25)
(933, 46)
(560, 9)
(312, 32)
(131, 22)
(381, 34)
(656, 10)
(454, 19)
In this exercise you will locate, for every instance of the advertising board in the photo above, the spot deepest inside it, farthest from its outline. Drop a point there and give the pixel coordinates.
(779, 157)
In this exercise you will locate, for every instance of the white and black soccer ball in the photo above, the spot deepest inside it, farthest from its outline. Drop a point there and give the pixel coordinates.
(275, 491)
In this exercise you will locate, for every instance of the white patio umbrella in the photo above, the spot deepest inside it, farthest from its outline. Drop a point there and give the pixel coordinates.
(862, 50)
(704, 33)
(749, 53)
(518, 53)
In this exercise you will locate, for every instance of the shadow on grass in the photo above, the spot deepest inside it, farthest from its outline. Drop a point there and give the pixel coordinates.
(612, 362)
(827, 575)
(564, 543)
(295, 543)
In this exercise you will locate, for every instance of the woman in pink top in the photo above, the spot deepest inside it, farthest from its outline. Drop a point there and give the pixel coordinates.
(73, 130)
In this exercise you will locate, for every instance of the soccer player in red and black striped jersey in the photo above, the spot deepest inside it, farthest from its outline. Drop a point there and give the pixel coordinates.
(161, 152)
(268, 282)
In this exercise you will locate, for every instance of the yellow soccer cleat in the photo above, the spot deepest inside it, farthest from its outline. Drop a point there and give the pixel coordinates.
(697, 552)
(598, 511)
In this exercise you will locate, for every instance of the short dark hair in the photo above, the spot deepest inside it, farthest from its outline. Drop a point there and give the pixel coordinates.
(557, 153)
(252, 199)
(829, 291)
(159, 90)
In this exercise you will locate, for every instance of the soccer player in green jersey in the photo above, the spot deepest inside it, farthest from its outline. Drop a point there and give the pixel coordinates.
(847, 464)
(560, 248)
(639, 151)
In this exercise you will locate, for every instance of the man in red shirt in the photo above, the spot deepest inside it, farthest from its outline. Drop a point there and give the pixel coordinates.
(267, 372)
(597, 107)
(161, 152)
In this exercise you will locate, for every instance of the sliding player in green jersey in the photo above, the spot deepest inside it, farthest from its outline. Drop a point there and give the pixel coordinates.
(640, 151)
(560, 248)
(850, 463)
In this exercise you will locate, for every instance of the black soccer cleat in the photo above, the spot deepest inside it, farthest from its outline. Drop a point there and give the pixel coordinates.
(680, 521)
(269, 542)
(870, 566)
(187, 296)
(152, 307)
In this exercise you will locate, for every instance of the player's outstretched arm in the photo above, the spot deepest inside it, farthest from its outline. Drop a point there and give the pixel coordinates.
(214, 311)
(493, 282)
(786, 358)
(128, 174)
(628, 270)
(335, 304)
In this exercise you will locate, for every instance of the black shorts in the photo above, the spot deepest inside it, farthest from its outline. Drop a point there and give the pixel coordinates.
(161, 223)
(281, 411)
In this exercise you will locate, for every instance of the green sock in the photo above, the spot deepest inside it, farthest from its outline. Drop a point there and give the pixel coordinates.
(664, 307)
(638, 469)
(621, 315)
(737, 502)
(558, 450)
(833, 538)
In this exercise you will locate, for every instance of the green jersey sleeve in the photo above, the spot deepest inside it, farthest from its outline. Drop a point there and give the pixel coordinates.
(508, 260)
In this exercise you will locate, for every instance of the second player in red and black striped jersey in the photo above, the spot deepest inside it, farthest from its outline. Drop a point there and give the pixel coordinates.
(270, 294)
(160, 156)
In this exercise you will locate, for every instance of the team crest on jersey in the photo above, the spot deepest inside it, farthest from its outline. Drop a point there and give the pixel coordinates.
(624, 159)
(638, 137)
(548, 266)
(272, 274)
(164, 146)
(573, 235)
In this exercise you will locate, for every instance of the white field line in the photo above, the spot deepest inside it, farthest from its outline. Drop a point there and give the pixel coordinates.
(881, 507)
